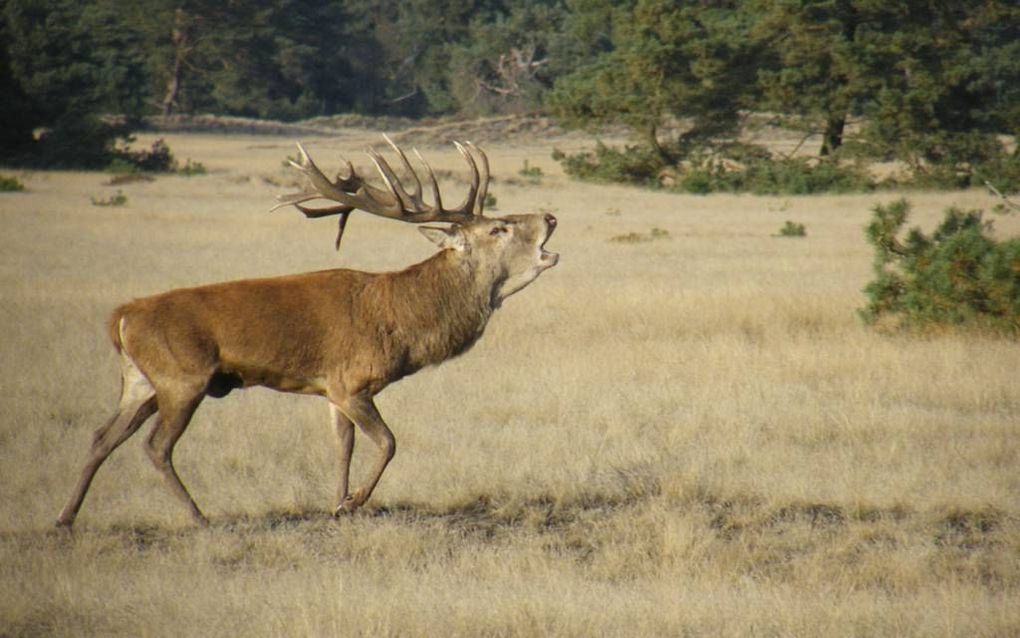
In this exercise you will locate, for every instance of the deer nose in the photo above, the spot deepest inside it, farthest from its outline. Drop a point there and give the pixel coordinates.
(549, 219)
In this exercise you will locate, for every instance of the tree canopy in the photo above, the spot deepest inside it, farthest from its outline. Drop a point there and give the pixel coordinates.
(929, 82)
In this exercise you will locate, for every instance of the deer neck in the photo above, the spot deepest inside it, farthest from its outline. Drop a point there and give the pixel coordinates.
(448, 300)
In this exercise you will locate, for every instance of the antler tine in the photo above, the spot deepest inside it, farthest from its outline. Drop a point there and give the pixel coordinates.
(416, 195)
(390, 179)
(293, 199)
(467, 208)
(432, 181)
(350, 171)
(315, 213)
(484, 189)
(341, 225)
(321, 187)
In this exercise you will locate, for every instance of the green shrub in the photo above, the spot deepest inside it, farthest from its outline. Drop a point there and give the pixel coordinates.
(129, 178)
(10, 184)
(118, 199)
(774, 177)
(797, 176)
(640, 238)
(531, 172)
(956, 277)
(122, 166)
(632, 165)
(191, 168)
(741, 169)
(157, 159)
(1002, 172)
(792, 229)
(490, 202)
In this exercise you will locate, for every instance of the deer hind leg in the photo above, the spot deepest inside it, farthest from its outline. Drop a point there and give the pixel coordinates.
(175, 411)
(362, 411)
(137, 403)
(344, 429)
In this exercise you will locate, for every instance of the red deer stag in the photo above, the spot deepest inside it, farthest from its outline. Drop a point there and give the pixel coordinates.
(341, 334)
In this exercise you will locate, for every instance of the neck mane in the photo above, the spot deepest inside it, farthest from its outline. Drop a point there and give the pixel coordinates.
(439, 307)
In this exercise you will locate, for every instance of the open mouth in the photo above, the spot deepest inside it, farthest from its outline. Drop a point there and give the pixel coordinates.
(549, 259)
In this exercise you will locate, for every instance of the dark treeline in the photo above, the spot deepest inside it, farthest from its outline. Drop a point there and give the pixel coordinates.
(932, 83)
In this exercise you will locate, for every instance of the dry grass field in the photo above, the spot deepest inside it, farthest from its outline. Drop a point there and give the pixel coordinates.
(685, 432)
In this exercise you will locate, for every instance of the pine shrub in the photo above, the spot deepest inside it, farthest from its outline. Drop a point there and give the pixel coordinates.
(702, 174)
(10, 184)
(957, 277)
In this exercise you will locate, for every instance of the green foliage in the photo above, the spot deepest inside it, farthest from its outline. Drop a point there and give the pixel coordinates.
(10, 184)
(641, 238)
(283, 59)
(191, 168)
(490, 202)
(663, 60)
(746, 170)
(531, 172)
(66, 63)
(794, 176)
(632, 165)
(121, 166)
(930, 84)
(792, 229)
(131, 177)
(957, 277)
(931, 79)
(810, 78)
(505, 61)
(117, 199)
(158, 159)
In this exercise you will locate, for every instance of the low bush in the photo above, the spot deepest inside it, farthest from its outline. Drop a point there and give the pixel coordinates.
(640, 238)
(737, 172)
(792, 229)
(774, 177)
(10, 184)
(119, 199)
(158, 159)
(190, 168)
(632, 165)
(531, 172)
(958, 276)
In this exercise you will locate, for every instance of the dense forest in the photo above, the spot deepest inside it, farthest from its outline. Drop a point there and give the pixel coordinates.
(934, 84)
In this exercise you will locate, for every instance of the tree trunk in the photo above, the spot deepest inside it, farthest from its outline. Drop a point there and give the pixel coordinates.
(179, 38)
(652, 134)
(833, 137)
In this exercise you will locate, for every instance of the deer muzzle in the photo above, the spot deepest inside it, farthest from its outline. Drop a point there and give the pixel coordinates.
(548, 259)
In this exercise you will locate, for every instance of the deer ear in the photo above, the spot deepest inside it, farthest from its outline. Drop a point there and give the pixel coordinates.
(444, 237)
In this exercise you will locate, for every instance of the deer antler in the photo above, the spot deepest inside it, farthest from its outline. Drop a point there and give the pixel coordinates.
(353, 192)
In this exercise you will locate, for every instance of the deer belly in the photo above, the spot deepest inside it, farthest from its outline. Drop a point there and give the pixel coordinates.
(223, 381)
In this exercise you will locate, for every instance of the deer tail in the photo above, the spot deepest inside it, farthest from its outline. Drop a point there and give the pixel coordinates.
(114, 328)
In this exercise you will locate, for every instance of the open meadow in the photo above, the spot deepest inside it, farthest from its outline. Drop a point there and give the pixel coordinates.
(682, 429)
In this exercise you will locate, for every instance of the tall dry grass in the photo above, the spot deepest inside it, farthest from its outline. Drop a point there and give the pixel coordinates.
(689, 435)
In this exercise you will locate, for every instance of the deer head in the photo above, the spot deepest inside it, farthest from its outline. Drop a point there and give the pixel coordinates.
(509, 251)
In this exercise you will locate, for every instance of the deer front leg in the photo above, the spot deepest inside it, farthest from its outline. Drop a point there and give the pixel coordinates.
(362, 411)
(344, 429)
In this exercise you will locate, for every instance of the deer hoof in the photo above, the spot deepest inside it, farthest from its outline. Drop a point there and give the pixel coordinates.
(347, 507)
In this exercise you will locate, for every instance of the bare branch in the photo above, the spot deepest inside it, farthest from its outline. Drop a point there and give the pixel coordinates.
(1007, 201)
